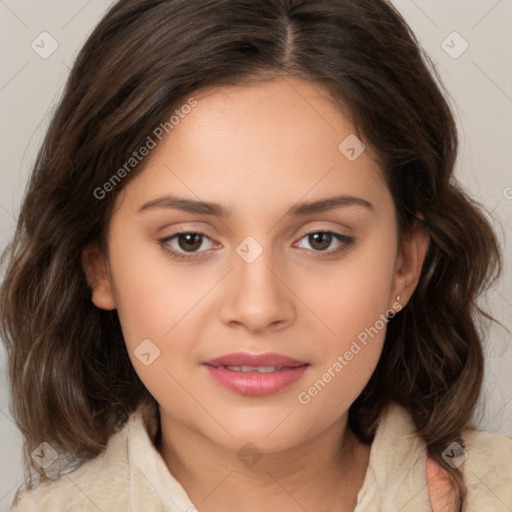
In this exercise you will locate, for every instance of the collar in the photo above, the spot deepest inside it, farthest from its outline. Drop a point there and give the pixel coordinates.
(395, 478)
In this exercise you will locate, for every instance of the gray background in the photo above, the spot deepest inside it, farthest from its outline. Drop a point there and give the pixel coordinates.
(479, 81)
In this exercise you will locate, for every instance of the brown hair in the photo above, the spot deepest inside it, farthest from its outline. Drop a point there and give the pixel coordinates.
(72, 382)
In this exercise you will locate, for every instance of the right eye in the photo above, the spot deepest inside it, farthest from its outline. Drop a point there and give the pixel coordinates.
(185, 245)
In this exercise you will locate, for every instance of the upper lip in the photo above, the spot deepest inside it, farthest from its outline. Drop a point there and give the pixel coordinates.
(256, 360)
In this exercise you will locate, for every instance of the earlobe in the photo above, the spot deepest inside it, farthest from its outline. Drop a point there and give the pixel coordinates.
(410, 262)
(94, 265)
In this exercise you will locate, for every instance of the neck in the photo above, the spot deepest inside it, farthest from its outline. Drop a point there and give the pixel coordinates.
(324, 472)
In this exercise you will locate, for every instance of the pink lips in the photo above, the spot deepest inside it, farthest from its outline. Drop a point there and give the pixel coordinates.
(251, 381)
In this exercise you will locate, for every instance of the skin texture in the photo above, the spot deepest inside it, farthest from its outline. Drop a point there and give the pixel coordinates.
(441, 491)
(257, 151)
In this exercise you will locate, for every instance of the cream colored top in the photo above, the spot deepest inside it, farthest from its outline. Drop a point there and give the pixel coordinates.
(130, 475)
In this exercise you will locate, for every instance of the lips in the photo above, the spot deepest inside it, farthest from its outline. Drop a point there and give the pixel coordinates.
(255, 374)
(254, 360)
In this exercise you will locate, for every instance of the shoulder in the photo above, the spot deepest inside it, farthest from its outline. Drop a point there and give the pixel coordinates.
(488, 470)
(100, 483)
(495, 449)
(397, 479)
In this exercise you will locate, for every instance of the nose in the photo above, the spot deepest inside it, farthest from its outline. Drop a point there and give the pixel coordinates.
(256, 297)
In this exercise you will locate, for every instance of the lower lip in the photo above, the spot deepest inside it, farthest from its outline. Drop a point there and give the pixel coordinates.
(257, 384)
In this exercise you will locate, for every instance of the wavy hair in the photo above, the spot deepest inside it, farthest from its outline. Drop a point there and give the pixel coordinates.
(71, 379)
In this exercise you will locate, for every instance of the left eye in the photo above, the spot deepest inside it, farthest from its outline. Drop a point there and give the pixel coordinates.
(321, 241)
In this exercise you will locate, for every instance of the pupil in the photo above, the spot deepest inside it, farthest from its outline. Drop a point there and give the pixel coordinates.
(322, 240)
(190, 241)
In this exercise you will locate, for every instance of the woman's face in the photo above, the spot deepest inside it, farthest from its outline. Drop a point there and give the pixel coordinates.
(254, 172)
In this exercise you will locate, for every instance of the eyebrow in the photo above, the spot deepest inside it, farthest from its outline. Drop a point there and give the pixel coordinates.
(300, 209)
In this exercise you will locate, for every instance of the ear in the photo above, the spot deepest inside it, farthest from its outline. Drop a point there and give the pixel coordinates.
(95, 269)
(409, 262)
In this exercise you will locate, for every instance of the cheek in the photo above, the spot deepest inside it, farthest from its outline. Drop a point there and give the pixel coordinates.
(158, 304)
(352, 301)
(351, 295)
(153, 294)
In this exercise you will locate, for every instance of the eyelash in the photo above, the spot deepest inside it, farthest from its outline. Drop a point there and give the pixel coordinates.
(346, 241)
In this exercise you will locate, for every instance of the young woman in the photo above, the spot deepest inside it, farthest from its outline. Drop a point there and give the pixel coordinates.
(244, 277)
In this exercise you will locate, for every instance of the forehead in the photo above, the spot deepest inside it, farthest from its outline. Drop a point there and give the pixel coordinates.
(266, 143)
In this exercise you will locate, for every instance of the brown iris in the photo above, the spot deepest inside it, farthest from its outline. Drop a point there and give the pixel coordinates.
(320, 241)
(190, 241)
